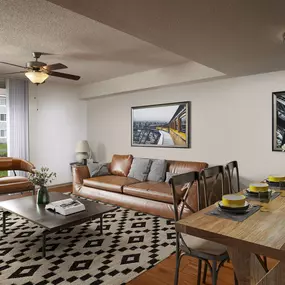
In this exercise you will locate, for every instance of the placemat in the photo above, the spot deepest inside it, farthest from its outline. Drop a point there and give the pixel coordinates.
(256, 198)
(231, 216)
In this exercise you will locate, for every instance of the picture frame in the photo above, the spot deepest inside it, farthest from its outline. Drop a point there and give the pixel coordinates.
(161, 125)
(278, 120)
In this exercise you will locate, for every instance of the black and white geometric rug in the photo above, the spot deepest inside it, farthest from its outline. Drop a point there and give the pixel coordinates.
(132, 242)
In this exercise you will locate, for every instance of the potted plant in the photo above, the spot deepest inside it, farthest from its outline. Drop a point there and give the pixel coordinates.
(41, 178)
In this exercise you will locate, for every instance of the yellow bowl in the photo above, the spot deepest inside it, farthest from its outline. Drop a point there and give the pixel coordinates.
(276, 178)
(258, 187)
(233, 201)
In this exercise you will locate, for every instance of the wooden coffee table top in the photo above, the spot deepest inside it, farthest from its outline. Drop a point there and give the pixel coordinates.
(28, 208)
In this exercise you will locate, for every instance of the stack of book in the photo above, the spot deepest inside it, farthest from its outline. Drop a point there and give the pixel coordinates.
(66, 207)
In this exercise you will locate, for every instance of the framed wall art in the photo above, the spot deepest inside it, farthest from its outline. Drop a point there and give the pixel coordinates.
(278, 120)
(163, 125)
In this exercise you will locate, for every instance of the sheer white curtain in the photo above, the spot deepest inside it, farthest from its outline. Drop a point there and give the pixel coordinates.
(18, 118)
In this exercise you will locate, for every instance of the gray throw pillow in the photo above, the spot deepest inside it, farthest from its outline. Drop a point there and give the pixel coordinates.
(98, 169)
(140, 168)
(157, 170)
(169, 175)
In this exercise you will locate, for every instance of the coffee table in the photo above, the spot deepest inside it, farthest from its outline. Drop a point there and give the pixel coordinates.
(28, 209)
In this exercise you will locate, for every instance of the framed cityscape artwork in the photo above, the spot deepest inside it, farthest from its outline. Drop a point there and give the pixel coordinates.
(278, 120)
(164, 125)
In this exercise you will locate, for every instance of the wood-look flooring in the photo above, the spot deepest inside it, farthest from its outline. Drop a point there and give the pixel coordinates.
(163, 273)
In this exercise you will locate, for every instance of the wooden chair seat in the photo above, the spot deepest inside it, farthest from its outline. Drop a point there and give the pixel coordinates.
(204, 246)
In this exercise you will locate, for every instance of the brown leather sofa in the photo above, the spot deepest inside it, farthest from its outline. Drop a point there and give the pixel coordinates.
(14, 184)
(149, 196)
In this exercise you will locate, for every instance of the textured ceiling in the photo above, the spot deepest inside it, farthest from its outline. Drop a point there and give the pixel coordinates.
(236, 37)
(90, 49)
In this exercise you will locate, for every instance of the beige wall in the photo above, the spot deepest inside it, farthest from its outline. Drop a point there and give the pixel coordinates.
(57, 120)
(231, 120)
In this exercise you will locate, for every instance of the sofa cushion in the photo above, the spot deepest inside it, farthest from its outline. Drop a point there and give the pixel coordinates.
(109, 182)
(158, 191)
(121, 164)
(157, 170)
(140, 168)
(98, 169)
(169, 175)
(13, 184)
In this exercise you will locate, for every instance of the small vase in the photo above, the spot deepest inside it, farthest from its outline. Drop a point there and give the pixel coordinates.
(43, 196)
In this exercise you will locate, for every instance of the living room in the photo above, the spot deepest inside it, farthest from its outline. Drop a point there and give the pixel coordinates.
(223, 61)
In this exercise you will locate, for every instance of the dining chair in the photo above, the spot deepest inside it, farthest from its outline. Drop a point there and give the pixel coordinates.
(199, 248)
(232, 174)
(231, 168)
(213, 180)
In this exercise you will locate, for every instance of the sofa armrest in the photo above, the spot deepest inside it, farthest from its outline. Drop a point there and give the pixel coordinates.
(79, 173)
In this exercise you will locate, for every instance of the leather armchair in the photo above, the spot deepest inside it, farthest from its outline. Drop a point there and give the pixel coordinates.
(15, 184)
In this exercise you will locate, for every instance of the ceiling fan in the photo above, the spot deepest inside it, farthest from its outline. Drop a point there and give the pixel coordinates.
(38, 72)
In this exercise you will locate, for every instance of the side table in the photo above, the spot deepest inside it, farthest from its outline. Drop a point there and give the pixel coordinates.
(75, 164)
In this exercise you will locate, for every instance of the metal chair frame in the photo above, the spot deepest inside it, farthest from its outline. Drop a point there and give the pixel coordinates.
(230, 168)
(188, 179)
(216, 173)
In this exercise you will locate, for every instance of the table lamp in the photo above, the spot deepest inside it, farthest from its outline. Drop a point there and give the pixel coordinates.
(82, 151)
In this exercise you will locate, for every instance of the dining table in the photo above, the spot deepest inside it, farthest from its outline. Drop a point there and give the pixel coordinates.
(262, 233)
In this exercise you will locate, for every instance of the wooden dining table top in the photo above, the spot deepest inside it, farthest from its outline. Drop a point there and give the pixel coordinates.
(261, 233)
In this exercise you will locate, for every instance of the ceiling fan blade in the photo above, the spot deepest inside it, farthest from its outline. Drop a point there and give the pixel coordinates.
(64, 75)
(12, 64)
(9, 73)
(43, 53)
(54, 66)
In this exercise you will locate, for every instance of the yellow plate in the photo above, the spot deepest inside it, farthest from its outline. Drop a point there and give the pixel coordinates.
(258, 187)
(233, 201)
(256, 193)
(244, 207)
(276, 178)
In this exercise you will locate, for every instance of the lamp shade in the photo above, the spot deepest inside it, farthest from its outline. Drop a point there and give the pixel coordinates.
(36, 77)
(82, 146)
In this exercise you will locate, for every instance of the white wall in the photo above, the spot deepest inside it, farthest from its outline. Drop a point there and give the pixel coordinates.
(55, 127)
(231, 120)
(155, 78)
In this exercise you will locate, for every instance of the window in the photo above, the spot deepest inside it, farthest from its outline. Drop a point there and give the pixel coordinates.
(3, 117)
(3, 133)
(2, 101)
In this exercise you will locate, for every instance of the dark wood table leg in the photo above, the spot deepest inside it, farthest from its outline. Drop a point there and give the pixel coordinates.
(101, 225)
(4, 214)
(44, 244)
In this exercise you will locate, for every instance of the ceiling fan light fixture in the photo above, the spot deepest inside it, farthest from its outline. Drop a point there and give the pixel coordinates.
(37, 77)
